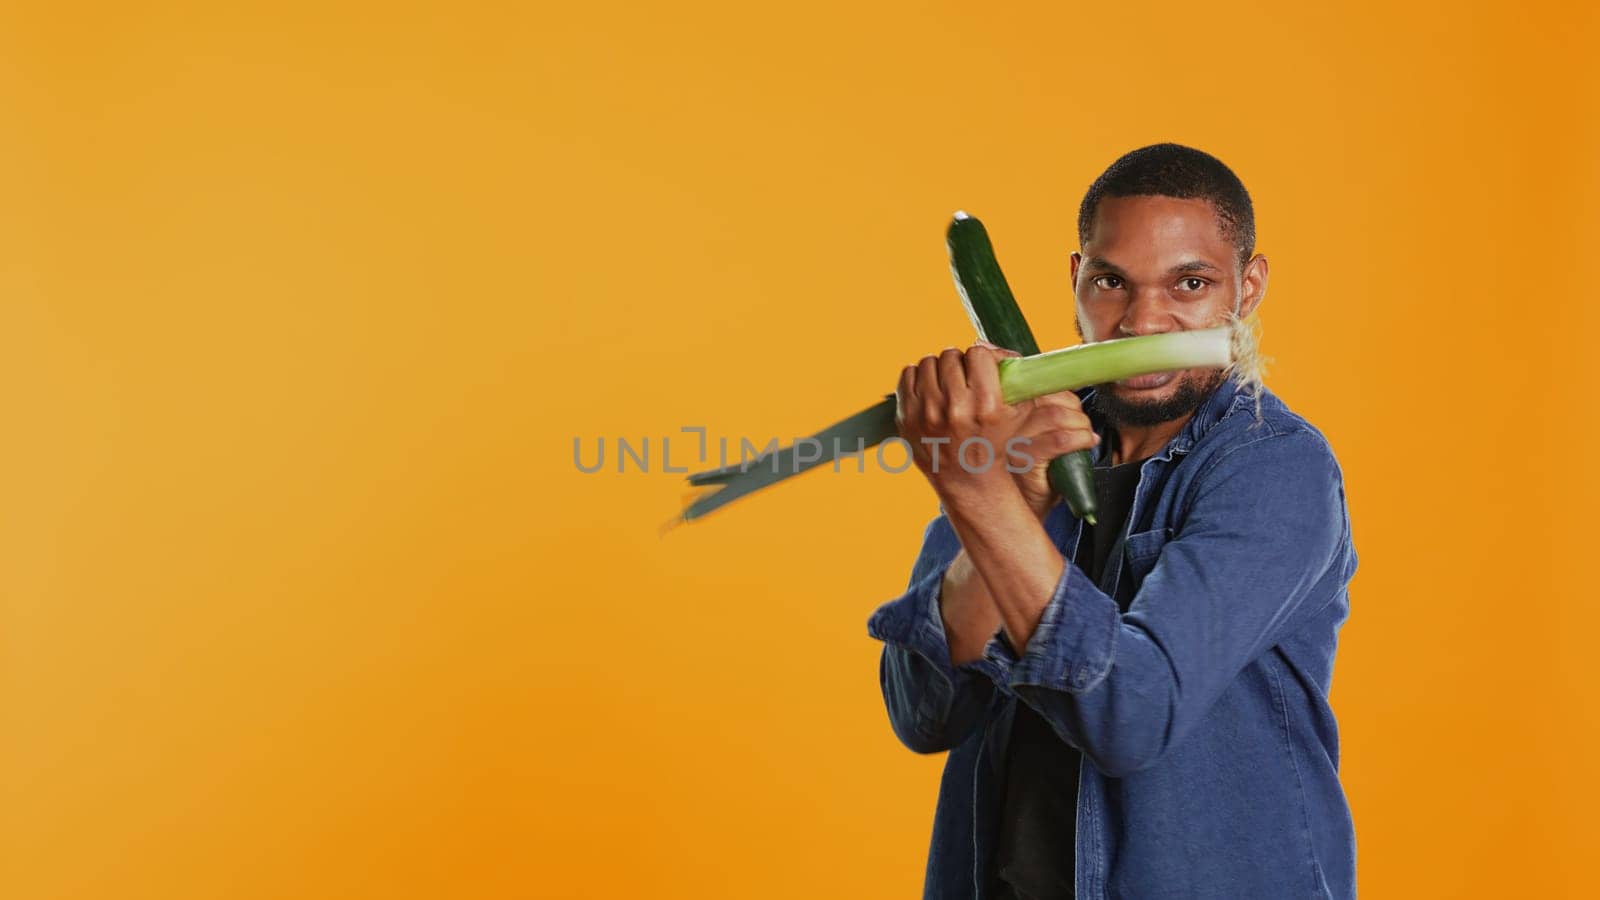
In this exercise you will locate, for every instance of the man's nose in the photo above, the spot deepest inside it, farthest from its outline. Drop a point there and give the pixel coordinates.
(1146, 314)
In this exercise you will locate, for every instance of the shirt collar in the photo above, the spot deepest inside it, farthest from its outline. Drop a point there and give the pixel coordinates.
(1210, 412)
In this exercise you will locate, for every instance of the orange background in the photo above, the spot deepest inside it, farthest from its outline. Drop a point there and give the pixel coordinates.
(303, 308)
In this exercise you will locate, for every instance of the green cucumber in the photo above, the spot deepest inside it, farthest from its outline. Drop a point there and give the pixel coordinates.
(999, 321)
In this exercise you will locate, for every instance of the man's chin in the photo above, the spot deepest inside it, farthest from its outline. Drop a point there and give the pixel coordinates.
(1129, 406)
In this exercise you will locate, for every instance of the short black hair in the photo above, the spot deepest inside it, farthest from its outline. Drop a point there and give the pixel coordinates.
(1173, 170)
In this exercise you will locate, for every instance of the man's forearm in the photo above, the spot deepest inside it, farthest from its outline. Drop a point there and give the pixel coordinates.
(1005, 542)
(969, 614)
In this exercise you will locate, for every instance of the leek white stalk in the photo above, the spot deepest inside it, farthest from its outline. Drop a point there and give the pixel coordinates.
(1026, 377)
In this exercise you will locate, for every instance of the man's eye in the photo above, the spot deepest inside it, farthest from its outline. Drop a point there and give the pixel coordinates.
(1108, 282)
(1192, 284)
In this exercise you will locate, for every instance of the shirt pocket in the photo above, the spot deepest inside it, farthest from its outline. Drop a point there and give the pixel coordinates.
(1141, 551)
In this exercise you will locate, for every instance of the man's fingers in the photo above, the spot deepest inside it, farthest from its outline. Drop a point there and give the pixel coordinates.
(1060, 398)
(1056, 417)
(983, 379)
(904, 399)
(996, 348)
(952, 371)
(1052, 444)
(930, 393)
(953, 380)
(906, 389)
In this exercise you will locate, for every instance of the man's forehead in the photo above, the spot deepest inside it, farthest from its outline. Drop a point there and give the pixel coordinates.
(1160, 232)
(1180, 265)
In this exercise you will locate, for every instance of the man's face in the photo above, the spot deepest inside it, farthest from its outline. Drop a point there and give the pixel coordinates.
(1153, 265)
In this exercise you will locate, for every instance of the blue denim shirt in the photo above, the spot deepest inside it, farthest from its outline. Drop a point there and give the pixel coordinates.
(1210, 754)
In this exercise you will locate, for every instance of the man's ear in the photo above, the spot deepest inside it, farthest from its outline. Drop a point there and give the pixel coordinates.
(1076, 259)
(1253, 286)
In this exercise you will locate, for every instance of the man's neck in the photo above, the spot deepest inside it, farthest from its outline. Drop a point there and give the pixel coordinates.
(1144, 441)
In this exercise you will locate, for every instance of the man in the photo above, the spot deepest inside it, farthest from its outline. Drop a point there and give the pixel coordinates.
(1164, 728)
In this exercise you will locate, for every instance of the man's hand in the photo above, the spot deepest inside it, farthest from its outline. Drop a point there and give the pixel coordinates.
(970, 443)
(963, 436)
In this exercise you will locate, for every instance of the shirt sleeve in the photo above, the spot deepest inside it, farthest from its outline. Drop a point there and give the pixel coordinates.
(933, 704)
(1258, 553)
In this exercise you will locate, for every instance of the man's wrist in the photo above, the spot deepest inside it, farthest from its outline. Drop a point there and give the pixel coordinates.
(1012, 551)
(979, 501)
(977, 494)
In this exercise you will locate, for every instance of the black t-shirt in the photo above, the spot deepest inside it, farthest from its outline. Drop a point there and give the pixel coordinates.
(1034, 852)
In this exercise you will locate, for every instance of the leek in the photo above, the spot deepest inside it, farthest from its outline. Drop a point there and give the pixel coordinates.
(1230, 347)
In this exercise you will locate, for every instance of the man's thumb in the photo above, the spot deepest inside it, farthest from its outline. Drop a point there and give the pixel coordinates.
(996, 348)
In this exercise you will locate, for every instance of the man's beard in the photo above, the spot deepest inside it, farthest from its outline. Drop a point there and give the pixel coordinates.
(1192, 391)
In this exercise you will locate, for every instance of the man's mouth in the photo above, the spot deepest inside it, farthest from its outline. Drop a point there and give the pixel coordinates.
(1145, 382)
